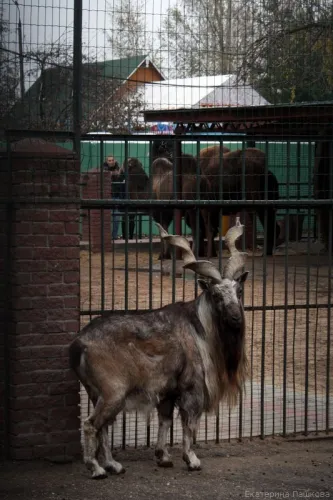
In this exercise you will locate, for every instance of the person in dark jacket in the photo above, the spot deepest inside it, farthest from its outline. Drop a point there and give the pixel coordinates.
(117, 190)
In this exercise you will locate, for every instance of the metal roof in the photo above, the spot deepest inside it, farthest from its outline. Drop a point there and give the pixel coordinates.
(200, 91)
(282, 119)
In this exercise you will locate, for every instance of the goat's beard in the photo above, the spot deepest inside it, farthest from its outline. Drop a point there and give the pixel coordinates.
(232, 337)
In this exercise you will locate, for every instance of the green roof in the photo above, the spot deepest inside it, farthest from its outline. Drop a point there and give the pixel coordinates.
(53, 92)
(119, 68)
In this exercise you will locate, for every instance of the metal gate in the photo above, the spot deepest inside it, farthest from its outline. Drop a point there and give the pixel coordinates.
(287, 298)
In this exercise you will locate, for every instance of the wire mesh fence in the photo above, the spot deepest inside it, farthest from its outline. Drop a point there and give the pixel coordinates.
(210, 109)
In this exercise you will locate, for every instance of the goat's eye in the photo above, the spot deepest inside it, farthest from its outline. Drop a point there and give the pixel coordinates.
(239, 291)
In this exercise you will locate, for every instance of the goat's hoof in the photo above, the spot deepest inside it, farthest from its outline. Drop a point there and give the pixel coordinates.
(165, 463)
(99, 474)
(115, 468)
(193, 467)
(193, 464)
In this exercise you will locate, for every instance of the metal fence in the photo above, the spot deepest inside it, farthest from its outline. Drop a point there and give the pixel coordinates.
(82, 80)
(287, 299)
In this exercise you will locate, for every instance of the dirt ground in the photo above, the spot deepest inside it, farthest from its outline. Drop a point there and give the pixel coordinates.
(272, 337)
(273, 468)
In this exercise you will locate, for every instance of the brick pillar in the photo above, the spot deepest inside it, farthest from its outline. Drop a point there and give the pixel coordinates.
(92, 190)
(4, 229)
(45, 291)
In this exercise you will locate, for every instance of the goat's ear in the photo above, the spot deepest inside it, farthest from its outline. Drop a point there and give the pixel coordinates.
(203, 284)
(243, 277)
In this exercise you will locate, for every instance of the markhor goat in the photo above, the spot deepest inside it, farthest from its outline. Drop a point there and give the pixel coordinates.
(189, 355)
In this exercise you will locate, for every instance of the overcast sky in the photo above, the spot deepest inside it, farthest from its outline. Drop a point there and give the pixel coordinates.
(46, 20)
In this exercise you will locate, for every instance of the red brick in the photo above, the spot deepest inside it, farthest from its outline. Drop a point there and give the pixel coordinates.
(64, 265)
(25, 440)
(29, 291)
(20, 352)
(64, 215)
(75, 448)
(21, 303)
(63, 436)
(48, 228)
(46, 450)
(21, 453)
(62, 290)
(57, 314)
(29, 315)
(21, 253)
(74, 325)
(72, 227)
(73, 253)
(29, 427)
(37, 401)
(66, 412)
(43, 339)
(48, 327)
(72, 277)
(21, 278)
(21, 228)
(29, 240)
(31, 214)
(53, 351)
(30, 266)
(47, 303)
(48, 277)
(65, 424)
(71, 302)
(64, 240)
(28, 365)
(48, 253)
(21, 328)
(63, 388)
(17, 416)
(28, 390)
(73, 399)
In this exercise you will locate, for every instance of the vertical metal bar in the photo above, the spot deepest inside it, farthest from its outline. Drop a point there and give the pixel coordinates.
(273, 349)
(263, 320)
(221, 201)
(217, 433)
(174, 252)
(90, 263)
(294, 353)
(285, 335)
(125, 236)
(102, 229)
(136, 430)
(7, 305)
(298, 153)
(315, 352)
(329, 291)
(77, 75)
(124, 431)
(307, 320)
(252, 341)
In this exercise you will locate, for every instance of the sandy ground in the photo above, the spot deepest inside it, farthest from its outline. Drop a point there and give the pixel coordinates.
(273, 468)
(290, 340)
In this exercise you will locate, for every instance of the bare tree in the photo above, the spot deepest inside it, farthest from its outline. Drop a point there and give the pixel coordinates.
(9, 71)
(204, 37)
(129, 34)
(289, 58)
(48, 104)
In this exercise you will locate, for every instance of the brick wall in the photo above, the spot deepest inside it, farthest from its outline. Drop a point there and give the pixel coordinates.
(45, 290)
(92, 190)
(4, 212)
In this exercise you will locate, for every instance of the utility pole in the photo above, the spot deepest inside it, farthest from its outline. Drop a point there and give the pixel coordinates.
(19, 29)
